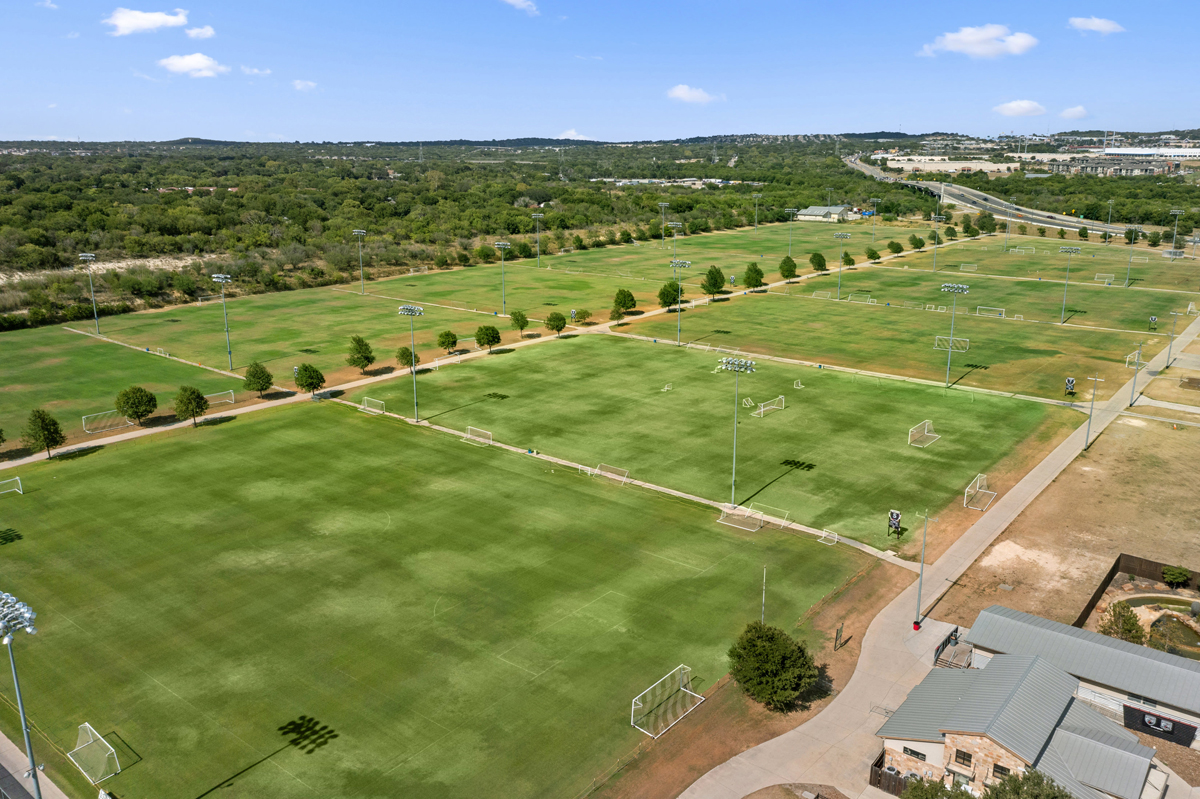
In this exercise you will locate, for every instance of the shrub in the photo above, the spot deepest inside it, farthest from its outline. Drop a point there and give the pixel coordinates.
(1119, 621)
(1176, 576)
(771, 666)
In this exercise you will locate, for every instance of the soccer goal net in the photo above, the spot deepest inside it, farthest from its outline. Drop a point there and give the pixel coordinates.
(922, 435)
(13, 484)
(1105, 278)
(915, 305)
(779, 516)
(662, 705)
(372, 406)
(93, 755)
(208, 298)
(863, 297)
(798, 384)
(621, 476)
(766, 407)
(828, 537)
(822, 295)
(954, 344)
(983, 310)
(162, 352)
(478, 437)
(105, 421)
(977, 496)
(747, 402)
(1191, 309)
(1139, 259)
(741, 518)
(220, 397)
(968, 267)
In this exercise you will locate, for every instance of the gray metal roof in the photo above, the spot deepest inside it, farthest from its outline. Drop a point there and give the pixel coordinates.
(1104, 762)
(922, 716)
(1167, 679)
(821, 210)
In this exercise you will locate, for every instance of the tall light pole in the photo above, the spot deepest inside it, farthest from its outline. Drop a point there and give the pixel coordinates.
(663, 207)
(1175, 236)
(921, 575)
(955, 289)
(828, 197)
(676, 265)
(675, 226)
(223, 279)
(841, 237)
(936, 218)
(1008, 225)
(1087, 436)
(1108, 233)
(791, 223)
(362, 283)
(1137, 366)
(537, 218)
(413, 311)
(737, 366)
(874, 216)
(1174, 318)
(502, 246)
(1069, 251)
(14, 617)
(88, 258)
(756, 197)
(1137, 229)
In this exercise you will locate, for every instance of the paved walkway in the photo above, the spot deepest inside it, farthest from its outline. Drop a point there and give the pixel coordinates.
(836, 746)
(13, 766)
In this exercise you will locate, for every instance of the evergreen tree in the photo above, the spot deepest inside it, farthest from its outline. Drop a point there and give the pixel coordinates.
(190, 403)
(258, 378)
(42, 431)
(361, 354)
(136, 403)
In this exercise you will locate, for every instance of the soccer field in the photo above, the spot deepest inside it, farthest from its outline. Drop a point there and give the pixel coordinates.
(837, 456)
(466, 620)
(71, 375)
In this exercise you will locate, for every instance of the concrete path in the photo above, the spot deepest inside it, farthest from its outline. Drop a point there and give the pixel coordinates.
(836, 746)
(1143, 401)
(13, 766)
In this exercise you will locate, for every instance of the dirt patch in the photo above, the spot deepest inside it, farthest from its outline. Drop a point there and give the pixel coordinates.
(729, 722)
(1175, 387)
(796, 790)
(1133, 491)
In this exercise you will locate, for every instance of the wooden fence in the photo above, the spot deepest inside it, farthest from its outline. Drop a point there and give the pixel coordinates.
(1138, 567)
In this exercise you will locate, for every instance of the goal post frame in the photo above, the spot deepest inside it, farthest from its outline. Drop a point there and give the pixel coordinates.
(83, 759)
(764, 408)
(984, 310)
(105, 428)
(976, 496)
(621, 476)
(681, 678)
(19, 489)
(924, 435)
(828, 537)
(742, 518)
(212, 401)
(375, 407)
(477, 436)
(954, 344)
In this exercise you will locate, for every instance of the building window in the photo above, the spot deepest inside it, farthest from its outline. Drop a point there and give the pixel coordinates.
(1000, 772)
(962, 758)
(914, 753)
(1141, 700)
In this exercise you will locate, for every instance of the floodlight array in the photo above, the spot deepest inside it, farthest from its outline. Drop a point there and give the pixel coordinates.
(15, 615)
(222, 279)
(412, 310)
(502, 245)
(358, 232)
(956, 288)
(87, 256)
(841, 235)
(736, 365)
(1070, 250)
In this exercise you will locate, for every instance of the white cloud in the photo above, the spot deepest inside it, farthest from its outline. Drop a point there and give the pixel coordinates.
(52, 105)
(303, 85)
(1020, 108)
(126, 21)
(691, 94)
(571, 133)
(73, 35)
(254, 71)
(1074, 112)
(986, 41)
(196, 65)
(46, 4)
(523, 5)
(1095, 25)
(206, 32)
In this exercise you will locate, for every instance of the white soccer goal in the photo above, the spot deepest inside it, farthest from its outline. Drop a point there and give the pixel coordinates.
(913, 305)
(372, 406)
(6, 486)
(667, 387)
(941, 309)
(741, 518)
(822, 295)
(162, 352)
(922, 435)
(1018, 317)
(209, 298)
(94, 756)
(931, 307)
(220, 397)
(1133, 360)
(828, 537)
(105, 421)
(779, 514)
(747, 402)
(766, 407)
(798, 384)
(478, 437)
(1139, 259)
(954, 344)
(662, 705)
(968, 267)
(977, 496)
(859, 297)
(621, 476)
(1191, 309)
(983, 310)
(1106, 279)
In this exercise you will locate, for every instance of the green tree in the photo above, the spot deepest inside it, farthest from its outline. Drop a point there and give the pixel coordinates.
(1030, 784)
(753, 277)
(519, 321)
(932, 789)
(42, 431)
(1154, 239)
(309, 378)
(624, 300)
(361, 354)
(817, 262)
(191, 403)
(912, 242)
(136, 403)
(485, 253)
(986, 222)
(487, 336)
(1120, 621)
(1062, 234)
(1022, 229)
(626, 236)
(2, 439)
(771, 666)
(895, 247)
(1041, 231)
(615, 315)
(447, 341)
(670, 294)
(787, 268)
(847, 259)
(951, 233)
(555, 322)
(407, 358)
(1130, 235)
(1083, 232)
(257, 378)
(1176, 576)
(582, 315)
(872, 254)
(714, 281)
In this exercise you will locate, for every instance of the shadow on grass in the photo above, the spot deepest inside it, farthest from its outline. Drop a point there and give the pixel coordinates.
(792, 466)
(9, 536)
(15, 454)
(501, 351)
(127, 756)
(452, 410)
(216, 422)
(305, 734)
(382, 370)
(971, 369)
(76, 454)
(277, 395)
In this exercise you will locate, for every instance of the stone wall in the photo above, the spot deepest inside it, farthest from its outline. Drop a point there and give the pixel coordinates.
(985, 753)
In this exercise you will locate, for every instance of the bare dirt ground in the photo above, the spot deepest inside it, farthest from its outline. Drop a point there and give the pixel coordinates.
(1183, 761)
(729, 723)
(1133, 491)
(796, 790)
(172, 263)
(1168, 387)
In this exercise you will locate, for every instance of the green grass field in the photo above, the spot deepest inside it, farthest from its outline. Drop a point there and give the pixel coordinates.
(71, 375)
(594, 398)
(466, 620)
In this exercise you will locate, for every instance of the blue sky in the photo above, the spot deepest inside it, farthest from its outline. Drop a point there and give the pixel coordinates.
(613, 70)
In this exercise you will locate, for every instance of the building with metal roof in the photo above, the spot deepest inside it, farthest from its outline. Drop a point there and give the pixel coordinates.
(823, 213)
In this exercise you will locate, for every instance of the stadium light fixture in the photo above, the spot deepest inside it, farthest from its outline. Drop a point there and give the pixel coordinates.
(675, 226)
(223, 279)
(663, 208)
(16, 616)
(1137, 229)
(791, 224)
(413, 311)
(1108, 233)
(921, 576)
(88, 258)
(936, 218)
(1069, 251)
(738, 366)
(956, 289)
(362, 283)
(537, 218)
(841, 237)
(1175, 236)
(502, 246)
(756, 197)
(676, 265)
(874, 216)
(1087, 436)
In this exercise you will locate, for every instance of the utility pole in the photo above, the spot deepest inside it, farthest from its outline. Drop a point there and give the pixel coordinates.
(921, 575)
(1137, 365)
(1087, 437)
